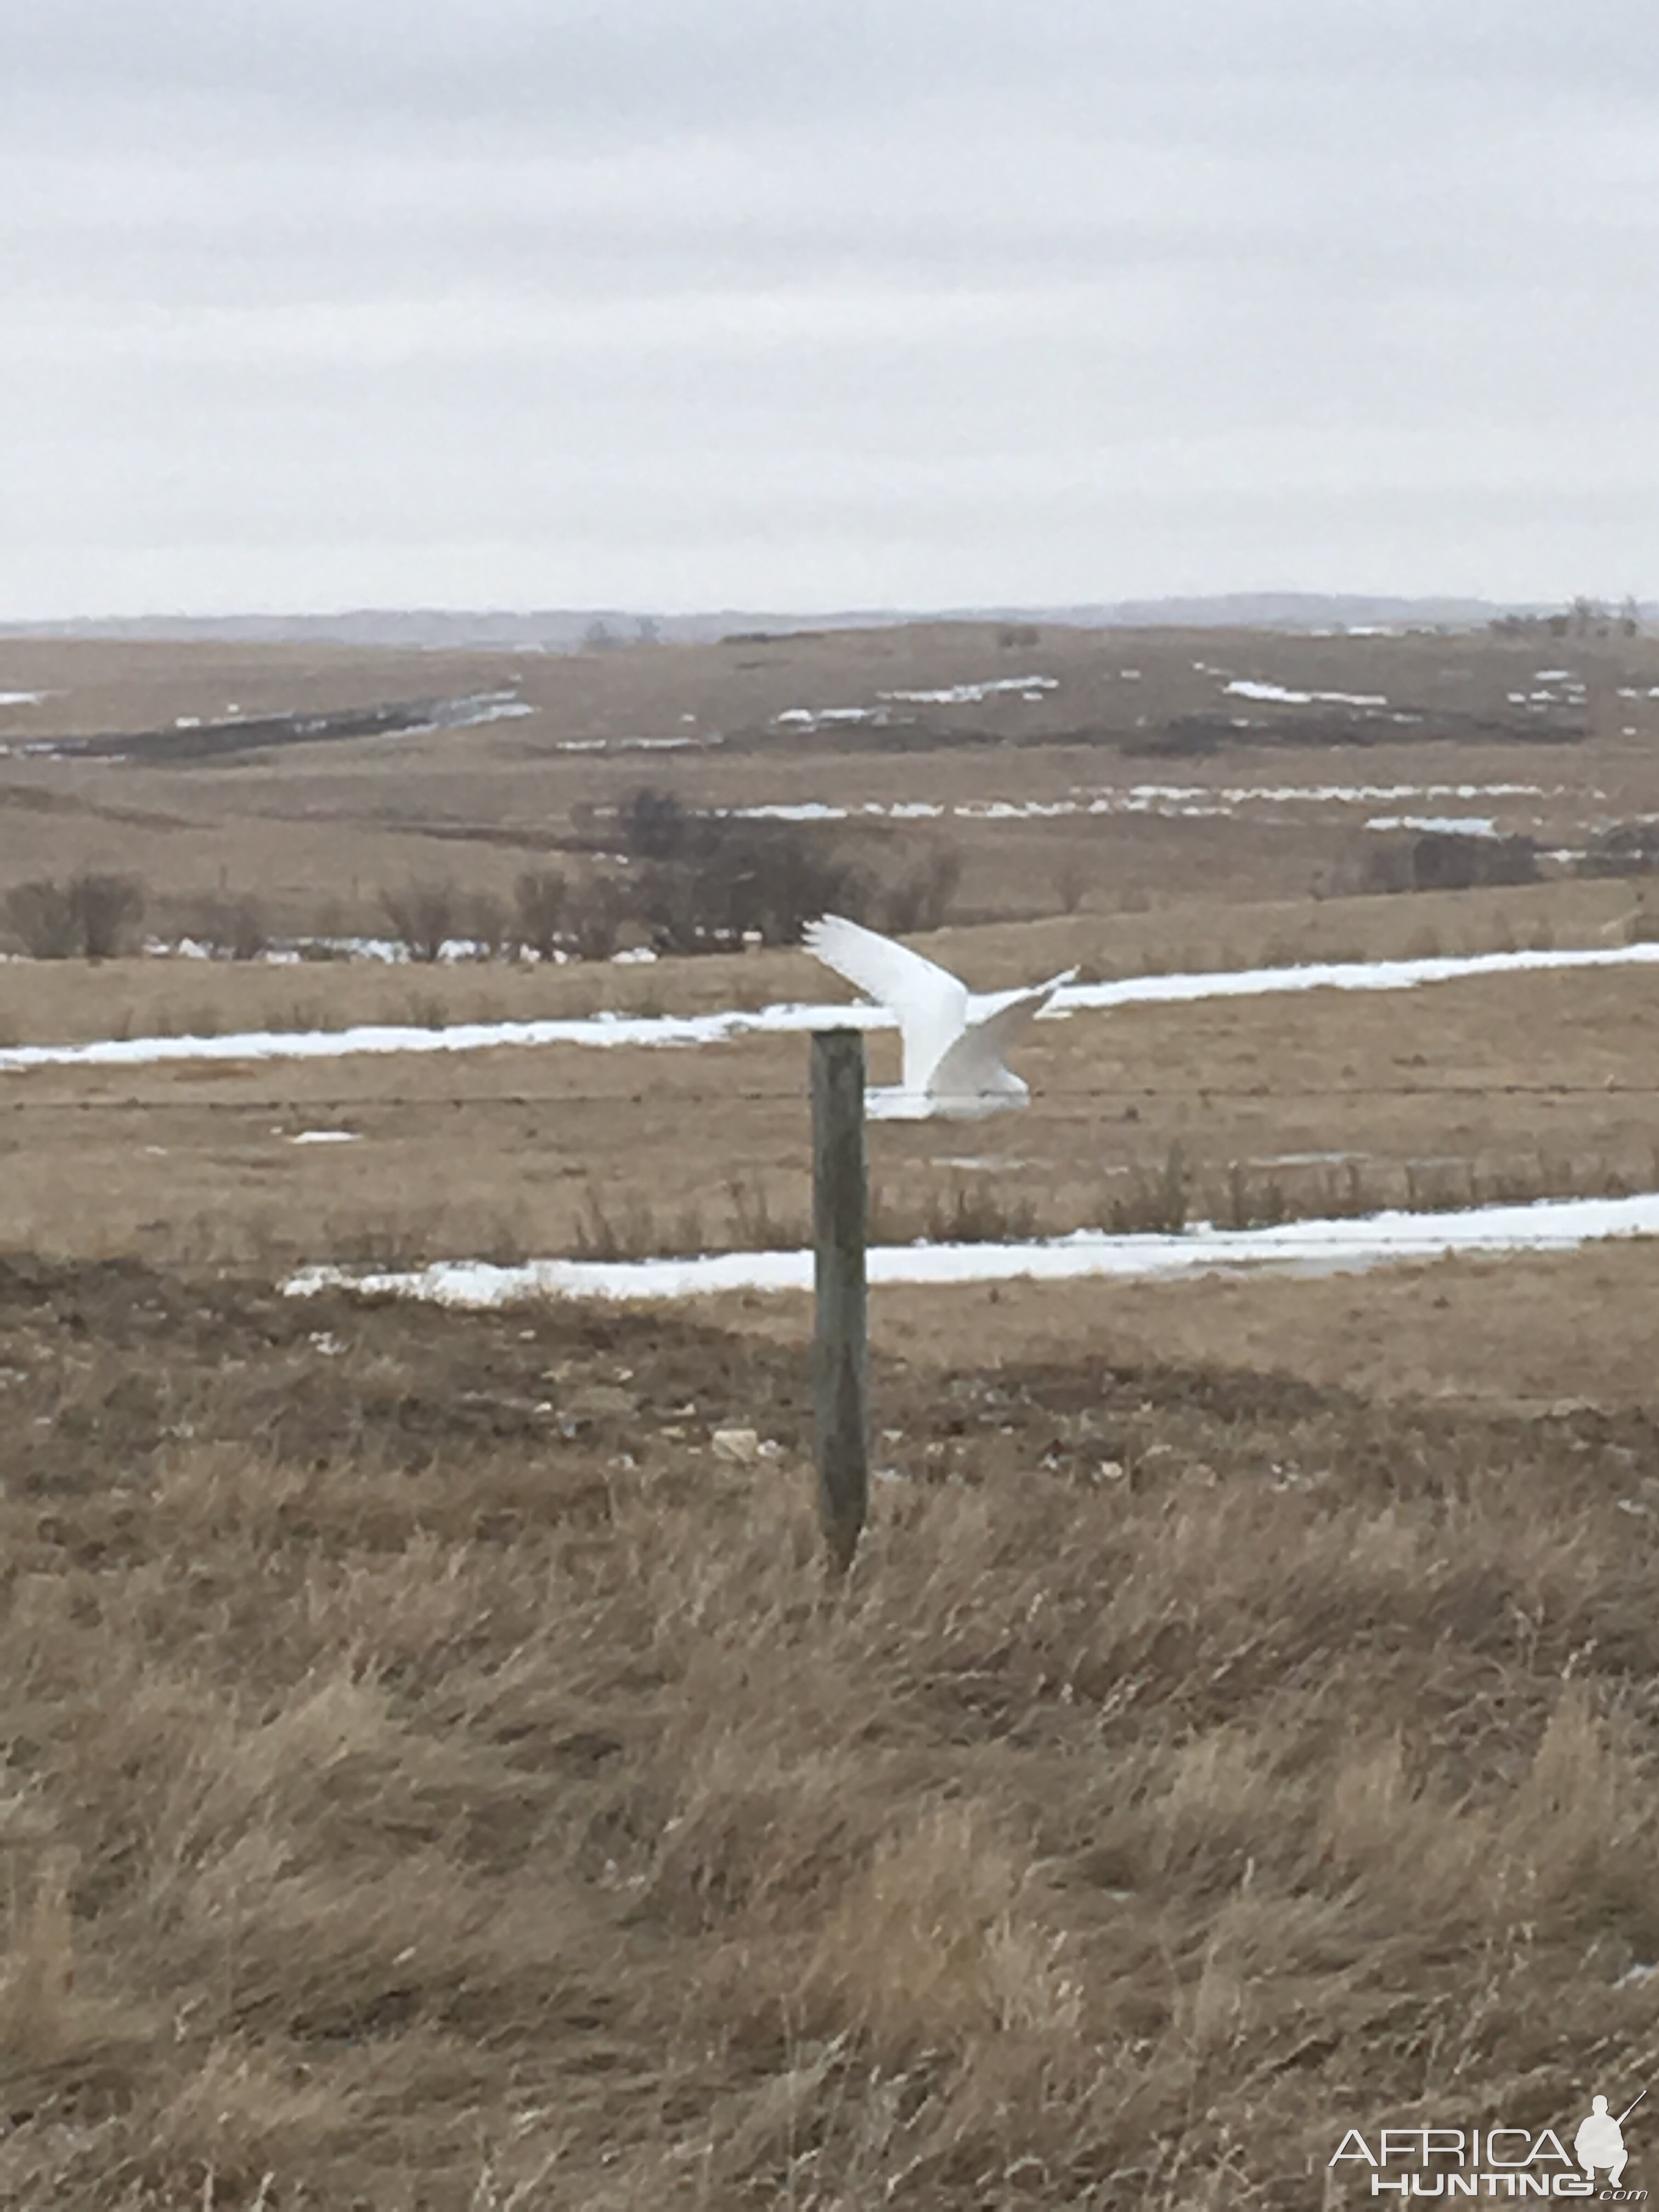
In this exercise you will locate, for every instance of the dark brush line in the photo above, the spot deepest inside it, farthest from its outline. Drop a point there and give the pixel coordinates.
(1200, 1093)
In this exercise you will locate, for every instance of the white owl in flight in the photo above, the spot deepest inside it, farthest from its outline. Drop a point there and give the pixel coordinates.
(954, 1041)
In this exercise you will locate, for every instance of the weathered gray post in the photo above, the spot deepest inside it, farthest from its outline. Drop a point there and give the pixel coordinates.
(839, 1211)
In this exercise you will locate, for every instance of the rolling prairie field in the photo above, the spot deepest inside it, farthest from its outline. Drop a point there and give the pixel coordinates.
(438, 1770)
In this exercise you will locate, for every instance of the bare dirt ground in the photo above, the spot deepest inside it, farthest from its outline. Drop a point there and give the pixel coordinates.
(436, 1776)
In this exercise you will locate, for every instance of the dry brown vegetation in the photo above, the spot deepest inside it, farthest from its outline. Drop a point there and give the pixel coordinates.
(435, 1776)
(1233, 1109)
(316, 831)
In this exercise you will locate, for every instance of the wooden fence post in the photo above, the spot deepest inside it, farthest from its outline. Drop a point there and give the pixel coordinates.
(841, 1351)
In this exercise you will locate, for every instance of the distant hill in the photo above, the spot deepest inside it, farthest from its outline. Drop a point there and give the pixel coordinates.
(565, 630)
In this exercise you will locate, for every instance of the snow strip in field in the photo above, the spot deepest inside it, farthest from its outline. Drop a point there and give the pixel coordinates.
(1137, 799)
(1438, 825)
(665, 1030)
(1303, 1247)
(1246, 687)
(972, 694)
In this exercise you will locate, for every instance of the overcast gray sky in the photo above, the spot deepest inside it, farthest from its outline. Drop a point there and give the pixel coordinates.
(684, 303)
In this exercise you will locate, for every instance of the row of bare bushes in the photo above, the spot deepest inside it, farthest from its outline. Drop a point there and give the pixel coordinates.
(701, 880)
(1442, 860)
(90, 917)
(683, 883)
(97, 916)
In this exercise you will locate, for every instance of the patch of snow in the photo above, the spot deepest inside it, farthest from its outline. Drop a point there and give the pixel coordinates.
(1245, 688)
(1438, 825)
(325, 1137)
(809, 717)
(633, 955)
(606, 1030)
(808, 810)
(1320, 794)
(1306, 1246)
(21, 698)
(972, 694)
(466, 713)
(392, 951)
(1336, 975)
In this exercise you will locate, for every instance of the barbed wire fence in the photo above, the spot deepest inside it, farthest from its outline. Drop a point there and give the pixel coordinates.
(455, 1101)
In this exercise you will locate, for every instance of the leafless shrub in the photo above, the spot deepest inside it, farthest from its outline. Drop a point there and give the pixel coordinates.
(107, 909)
(653, 825)
(93, 916)
(538, 906)
(1440, 861)
(777, 878)
(426, 1010)
(1250, 1205)
(1155, 1203)
(230, 929)
(594, 913)
(671, 902)
(754, 1226)
(708, 882)
(964, 1213)
(1626, 848)
(921, 899)
(40, 916)
(619, 1227)
(423, 916)
(487, 925)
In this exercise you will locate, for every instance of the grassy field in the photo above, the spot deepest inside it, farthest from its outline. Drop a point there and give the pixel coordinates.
(483, 1801)
(437, 1774)
(1233, 1109)
(316, 830)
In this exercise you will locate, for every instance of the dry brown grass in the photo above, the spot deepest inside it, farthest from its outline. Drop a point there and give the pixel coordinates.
(435, 1778)
(481, 1801)
(319, 830)
(1303, 1103)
